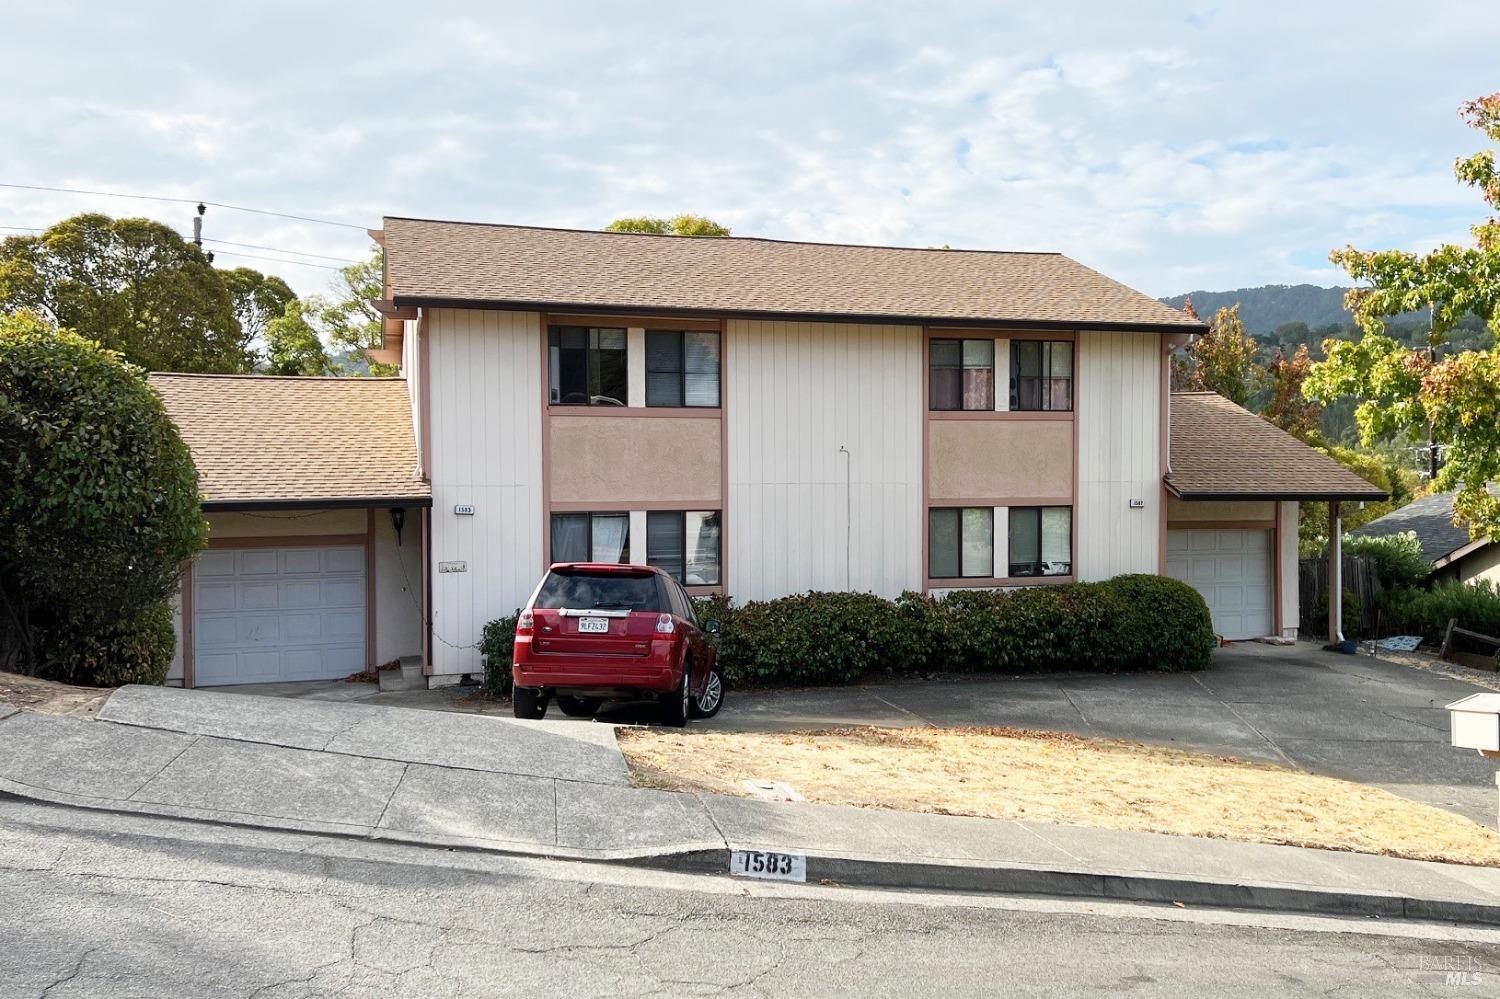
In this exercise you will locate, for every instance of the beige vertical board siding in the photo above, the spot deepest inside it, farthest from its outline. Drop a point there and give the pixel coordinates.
(1286, 567)
(1118, 406)
(411, 370)
(1481, 566)
(635, 366)
(796, 392)
(398, 587)
(174, 672)
(486, 450)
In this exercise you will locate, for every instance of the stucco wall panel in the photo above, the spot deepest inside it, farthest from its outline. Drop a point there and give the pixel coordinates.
(639, 459)
(977, 459)
(1222, 510)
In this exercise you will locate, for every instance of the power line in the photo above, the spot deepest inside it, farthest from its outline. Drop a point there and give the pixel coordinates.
(182, 201)
(277, 249)
(277, 260)
(231, 253)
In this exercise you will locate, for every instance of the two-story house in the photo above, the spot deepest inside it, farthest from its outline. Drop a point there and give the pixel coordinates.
(759, 418)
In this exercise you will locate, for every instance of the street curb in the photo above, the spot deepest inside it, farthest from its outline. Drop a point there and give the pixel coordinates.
(856, 872)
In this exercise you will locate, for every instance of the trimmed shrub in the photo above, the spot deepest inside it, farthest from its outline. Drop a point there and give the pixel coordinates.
(1126, 623)
(138, 650)
(1397, 558)
(1476, 606)
(98, 495)
(821, 638)
(497, 644)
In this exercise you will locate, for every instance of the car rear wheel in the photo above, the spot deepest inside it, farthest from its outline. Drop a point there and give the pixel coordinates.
(526, 702)
(676, 706)
(708, 703)
(579, 707)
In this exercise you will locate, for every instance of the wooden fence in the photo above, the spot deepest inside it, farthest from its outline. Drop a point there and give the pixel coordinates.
(1360, 581)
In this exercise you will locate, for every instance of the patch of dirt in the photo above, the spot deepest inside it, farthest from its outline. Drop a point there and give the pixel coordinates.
(51, 697)
(1431, 663)
(1007, 773)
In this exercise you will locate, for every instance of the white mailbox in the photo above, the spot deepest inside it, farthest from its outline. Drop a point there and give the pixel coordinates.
(1476, 723)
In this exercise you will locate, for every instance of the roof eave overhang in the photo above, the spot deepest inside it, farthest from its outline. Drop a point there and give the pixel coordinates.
(1458, 553)
(1300, 497)
(607, 308)
(315, 503)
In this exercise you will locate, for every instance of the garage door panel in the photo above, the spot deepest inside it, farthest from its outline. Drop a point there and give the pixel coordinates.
(271, 614)
(1232, 569)
(301, 560)
(344, 560)
(343, 593)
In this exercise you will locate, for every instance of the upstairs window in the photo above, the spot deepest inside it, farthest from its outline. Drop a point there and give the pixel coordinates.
(587, 366)
(591, 537)
(1041, 541)
(682, 369)
(961, 374)
(1041, 375)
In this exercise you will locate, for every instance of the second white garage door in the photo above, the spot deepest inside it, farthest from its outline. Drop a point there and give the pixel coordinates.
(1232, 569)
(268, 614)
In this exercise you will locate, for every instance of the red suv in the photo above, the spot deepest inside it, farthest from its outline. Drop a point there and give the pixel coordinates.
(594, 632)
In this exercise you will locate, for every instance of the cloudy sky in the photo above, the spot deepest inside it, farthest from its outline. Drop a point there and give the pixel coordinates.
(1175, 146)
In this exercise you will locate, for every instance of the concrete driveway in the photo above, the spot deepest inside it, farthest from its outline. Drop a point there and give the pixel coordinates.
(1346, 716)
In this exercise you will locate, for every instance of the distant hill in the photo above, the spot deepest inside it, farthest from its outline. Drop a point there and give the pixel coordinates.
(1269, 306)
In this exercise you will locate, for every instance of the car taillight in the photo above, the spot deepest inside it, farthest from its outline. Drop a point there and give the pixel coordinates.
(524, 623)
(665, 625)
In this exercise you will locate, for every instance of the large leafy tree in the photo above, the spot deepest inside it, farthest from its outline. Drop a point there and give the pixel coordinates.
(1221, 360)
(259, 299)
(677, 225)
(100, 501)
(132, 285)
(1287, 406)
(292, 344)
(1406, 389)
(346, 316)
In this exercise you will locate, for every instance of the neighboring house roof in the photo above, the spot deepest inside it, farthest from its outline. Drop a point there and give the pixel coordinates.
(261, 441)
(1222, 451)
(437, 263)
(1430, 519)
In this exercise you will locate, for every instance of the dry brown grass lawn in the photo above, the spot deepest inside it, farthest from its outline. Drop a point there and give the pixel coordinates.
(1052, 777)
(53, 698)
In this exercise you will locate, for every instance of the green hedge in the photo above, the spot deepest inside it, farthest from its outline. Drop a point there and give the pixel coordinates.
(1127, 623)
(498, 642)
(138, 650)
(1476, 606)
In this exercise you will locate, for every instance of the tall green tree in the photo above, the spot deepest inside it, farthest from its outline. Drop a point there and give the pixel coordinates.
(1406, 389)
(347, 318)
(1221, 360)
(677, 225)
(292, 344)
(132, 285)
(258, 300)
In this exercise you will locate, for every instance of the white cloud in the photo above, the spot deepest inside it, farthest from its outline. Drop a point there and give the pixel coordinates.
(1171, 147)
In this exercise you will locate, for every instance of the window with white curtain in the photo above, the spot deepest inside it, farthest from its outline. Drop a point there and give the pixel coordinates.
(686, 545)
(591, 537)
(961, 542)
(1041, 541)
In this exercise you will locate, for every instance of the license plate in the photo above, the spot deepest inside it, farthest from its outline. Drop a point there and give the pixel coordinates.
(593, 626)
(765, 864)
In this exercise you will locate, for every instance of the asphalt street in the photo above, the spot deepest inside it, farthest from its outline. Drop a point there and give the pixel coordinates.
(94, 904)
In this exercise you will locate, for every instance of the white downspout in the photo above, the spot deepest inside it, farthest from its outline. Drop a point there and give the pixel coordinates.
(1335, 574)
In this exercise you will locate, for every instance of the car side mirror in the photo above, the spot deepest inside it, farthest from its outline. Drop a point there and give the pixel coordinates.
(711, 627)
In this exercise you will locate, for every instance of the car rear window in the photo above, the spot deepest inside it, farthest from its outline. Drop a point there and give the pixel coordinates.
(602, 591)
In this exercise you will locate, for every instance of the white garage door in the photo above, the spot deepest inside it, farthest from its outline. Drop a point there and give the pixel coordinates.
(1232, 569)
(268, 614)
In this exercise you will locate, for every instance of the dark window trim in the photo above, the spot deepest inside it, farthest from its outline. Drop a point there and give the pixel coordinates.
(590, 515)
(961, 573)
(932, 407)
(1010, 562)
(1045, 393)
(682, 371)
(588, 366)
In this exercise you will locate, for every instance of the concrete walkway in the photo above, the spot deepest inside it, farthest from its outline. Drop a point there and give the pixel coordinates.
(559, 790)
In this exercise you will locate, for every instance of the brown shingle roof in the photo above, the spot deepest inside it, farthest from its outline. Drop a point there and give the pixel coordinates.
(1221, 451)
(506, 266)
(259, 439)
